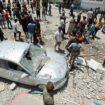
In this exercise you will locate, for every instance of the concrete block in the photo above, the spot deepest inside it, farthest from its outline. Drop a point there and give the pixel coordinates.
(93, 64)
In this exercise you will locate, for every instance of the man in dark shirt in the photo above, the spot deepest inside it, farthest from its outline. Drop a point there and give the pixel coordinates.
(31, 30)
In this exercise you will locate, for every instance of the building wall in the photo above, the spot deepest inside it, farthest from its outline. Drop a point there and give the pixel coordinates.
(55, 0)
(87, 4)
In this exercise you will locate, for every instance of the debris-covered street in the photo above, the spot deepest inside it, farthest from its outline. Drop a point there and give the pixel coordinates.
(86, 83)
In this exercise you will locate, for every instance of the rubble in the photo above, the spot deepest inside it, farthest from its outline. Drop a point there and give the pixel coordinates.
(12, 86)
(2, 86)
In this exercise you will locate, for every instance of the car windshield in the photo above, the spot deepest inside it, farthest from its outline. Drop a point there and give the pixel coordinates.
(33, 58)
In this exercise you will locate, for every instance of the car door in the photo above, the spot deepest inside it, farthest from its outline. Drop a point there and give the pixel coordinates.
(17, 72)
(4, 72)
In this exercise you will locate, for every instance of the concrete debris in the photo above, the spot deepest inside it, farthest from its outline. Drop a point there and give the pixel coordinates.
(93, 64)
(2, 86)
(88, 96)
(70, 101)
(100, 67)
(12, 86)
(27, 99)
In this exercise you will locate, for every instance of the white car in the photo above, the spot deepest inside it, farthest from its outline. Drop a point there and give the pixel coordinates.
(31, 65)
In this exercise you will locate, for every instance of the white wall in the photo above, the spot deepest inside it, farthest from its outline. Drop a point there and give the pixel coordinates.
(87, 4)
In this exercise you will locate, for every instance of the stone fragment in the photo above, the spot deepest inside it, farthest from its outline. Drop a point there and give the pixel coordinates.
(12, 86)
(2, 86)
(93, 64)
(88, 96)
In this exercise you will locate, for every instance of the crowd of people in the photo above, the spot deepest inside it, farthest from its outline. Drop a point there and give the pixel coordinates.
(21, 12)
(81, 29)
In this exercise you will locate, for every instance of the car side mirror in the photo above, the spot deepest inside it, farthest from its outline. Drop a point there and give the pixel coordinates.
(24, 75)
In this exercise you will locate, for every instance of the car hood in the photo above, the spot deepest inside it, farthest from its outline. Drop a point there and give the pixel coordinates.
(55, 67)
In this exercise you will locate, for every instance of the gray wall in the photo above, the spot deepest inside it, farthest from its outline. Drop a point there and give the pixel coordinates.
(55, 0)
(87, 4)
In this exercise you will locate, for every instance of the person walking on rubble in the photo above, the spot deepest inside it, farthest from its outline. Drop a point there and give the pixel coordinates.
(31, 30)
(15, 30)
(50, 9)
(44, 13)
(74, 50)
(60, 7)
(58, 38)
(38, 12)
(7, 18)
(48, 94)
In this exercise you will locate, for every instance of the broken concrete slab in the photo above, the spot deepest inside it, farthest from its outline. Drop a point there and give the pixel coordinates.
(93, 64)
(12, 86)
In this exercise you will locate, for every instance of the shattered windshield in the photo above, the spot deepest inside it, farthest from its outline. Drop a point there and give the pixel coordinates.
(33, 58)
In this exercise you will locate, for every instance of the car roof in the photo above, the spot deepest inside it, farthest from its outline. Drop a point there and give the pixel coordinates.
(12, 51)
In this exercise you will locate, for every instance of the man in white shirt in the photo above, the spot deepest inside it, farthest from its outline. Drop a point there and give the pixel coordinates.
(58, 38)
(15, 30)
(90, 14)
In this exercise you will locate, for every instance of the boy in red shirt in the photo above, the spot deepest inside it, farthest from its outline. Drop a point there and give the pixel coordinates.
(7, 18)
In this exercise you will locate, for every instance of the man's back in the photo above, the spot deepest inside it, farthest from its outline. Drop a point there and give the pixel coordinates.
(75, 47)
(31, 27)
(89, 14)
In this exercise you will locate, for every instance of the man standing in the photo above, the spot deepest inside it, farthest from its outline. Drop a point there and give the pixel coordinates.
(49, 9)
(15, 30)
(90, 14)
(74, 51)
(31, 30)
(38, 12)
(9, 8)
(44, 13)
(83, 24)
(7, 18)
(79, 18)
(2, 23)
(58, 38)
